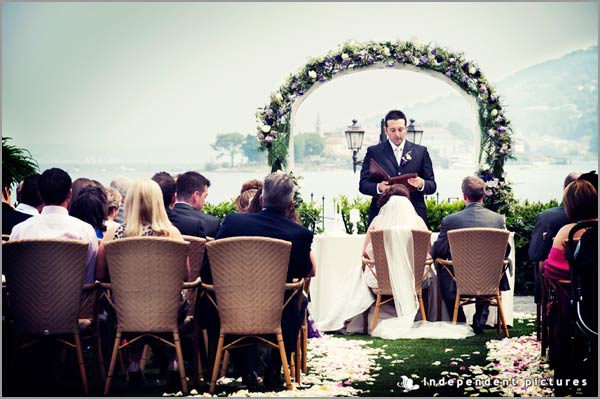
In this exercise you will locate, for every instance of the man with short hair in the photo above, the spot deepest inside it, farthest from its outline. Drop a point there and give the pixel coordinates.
(398, 156)
(192, 190)
(28, 196)
(277, 198)
(473, 215)
(55, 222)
(186, 225)
(10, 216)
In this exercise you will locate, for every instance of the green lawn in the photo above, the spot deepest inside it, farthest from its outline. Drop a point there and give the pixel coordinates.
(417, 357)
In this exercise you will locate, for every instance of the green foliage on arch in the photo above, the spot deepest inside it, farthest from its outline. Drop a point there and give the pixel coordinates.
(496, 143)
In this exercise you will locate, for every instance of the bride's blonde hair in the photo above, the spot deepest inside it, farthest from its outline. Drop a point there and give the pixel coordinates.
(144, 206)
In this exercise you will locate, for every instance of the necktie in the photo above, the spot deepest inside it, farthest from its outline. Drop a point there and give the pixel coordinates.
(398, 154)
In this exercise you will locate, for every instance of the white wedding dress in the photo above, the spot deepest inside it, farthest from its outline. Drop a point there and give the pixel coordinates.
(398, 245)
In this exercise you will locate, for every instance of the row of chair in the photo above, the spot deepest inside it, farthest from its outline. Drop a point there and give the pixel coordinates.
(477, 259)
(45, 283)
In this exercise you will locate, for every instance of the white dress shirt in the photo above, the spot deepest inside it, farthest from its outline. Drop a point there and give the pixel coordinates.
(28, 209)
(55, 222)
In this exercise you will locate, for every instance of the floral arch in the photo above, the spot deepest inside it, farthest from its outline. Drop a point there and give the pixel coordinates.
(275, 120)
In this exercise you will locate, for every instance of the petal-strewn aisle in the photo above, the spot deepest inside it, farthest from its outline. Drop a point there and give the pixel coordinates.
(335, 364)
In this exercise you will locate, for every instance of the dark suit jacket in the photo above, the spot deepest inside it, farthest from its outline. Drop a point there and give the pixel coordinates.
(547, 225)
(188, 226)
(11, 217)
(210, 223)
(420, 163)
(273, 224)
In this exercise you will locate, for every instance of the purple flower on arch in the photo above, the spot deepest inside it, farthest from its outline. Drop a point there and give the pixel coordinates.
(464, 79)
(269, 112)
(424, 60)
(300, 92)
(390, 64)
(321, 78)
(439, 58)
(448, 73)
(370, 60)
(501, 129)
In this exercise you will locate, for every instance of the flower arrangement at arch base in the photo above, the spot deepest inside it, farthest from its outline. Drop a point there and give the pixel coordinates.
(274, 118)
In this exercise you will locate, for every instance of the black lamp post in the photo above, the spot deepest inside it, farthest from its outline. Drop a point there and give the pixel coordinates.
(414, 133)
(354, 139)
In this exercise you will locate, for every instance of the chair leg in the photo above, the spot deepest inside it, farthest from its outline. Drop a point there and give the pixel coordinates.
(376, 315)
(225, 364)
(184, 387)
(215, 372)
(113, 361)
(284, 363)
(100, 358)
(145, 356)
(304, 345)
(197, 362)
(456, 305)
(422, 307)
(81, 365)
(501, 311)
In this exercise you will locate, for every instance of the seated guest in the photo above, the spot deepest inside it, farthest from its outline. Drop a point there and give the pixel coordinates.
(580, 199)
(192, 190)
(113, 197)
(272, 221)
(255, 205)
(10, 215)
(186, 225)
(28, 196)
(547, 225)
(77, 185)
(243, 200)
(145, 216)
(55, 222)
(90, 206)
(251, 185)
(474, 215)
(399, 211)
(121, 183)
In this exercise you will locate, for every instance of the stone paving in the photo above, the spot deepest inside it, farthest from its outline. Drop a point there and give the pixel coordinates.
(524, 304)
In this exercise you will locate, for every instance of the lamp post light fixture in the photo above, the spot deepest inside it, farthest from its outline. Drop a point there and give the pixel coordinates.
(354, 139)
(414, 132)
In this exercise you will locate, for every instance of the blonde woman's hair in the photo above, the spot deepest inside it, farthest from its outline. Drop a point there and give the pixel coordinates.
(144, 206)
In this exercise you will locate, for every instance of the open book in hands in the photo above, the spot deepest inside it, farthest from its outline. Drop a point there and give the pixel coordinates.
(379, 174)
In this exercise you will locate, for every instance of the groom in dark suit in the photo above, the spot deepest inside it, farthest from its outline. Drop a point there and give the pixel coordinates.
(398, 156)
(277, 198)
(474, 215)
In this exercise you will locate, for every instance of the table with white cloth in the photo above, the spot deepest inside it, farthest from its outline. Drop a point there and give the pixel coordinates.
(338, 291)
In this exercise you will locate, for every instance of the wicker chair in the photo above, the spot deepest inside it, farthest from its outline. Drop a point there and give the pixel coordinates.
(45, 282)
(195, 254)
(421, 239)
(478, 262)
(239, 266)
(299, 364)
(147, 275)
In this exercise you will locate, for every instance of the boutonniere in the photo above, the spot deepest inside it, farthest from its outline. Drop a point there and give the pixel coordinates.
(405, 158)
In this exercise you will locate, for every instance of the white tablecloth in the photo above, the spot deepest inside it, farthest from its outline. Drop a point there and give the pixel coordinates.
(339, 293)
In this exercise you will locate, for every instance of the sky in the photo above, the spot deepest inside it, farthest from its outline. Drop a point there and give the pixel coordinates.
(161, 80)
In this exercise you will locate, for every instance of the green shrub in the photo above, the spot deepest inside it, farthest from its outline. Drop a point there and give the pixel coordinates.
(344, 205)
(221, 209)
(436, 212)
(310, 215)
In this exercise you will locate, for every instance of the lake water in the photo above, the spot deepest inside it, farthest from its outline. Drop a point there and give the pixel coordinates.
(532, 182)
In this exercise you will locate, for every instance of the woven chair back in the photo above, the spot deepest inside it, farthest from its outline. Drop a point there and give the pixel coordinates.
(44, 281)
(195, 255)
(478, 259)
(146, 276)
(420, 246)
(421, 240)
(249, 279)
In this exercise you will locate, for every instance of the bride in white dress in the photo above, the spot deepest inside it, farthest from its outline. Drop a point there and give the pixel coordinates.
(396, 218)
